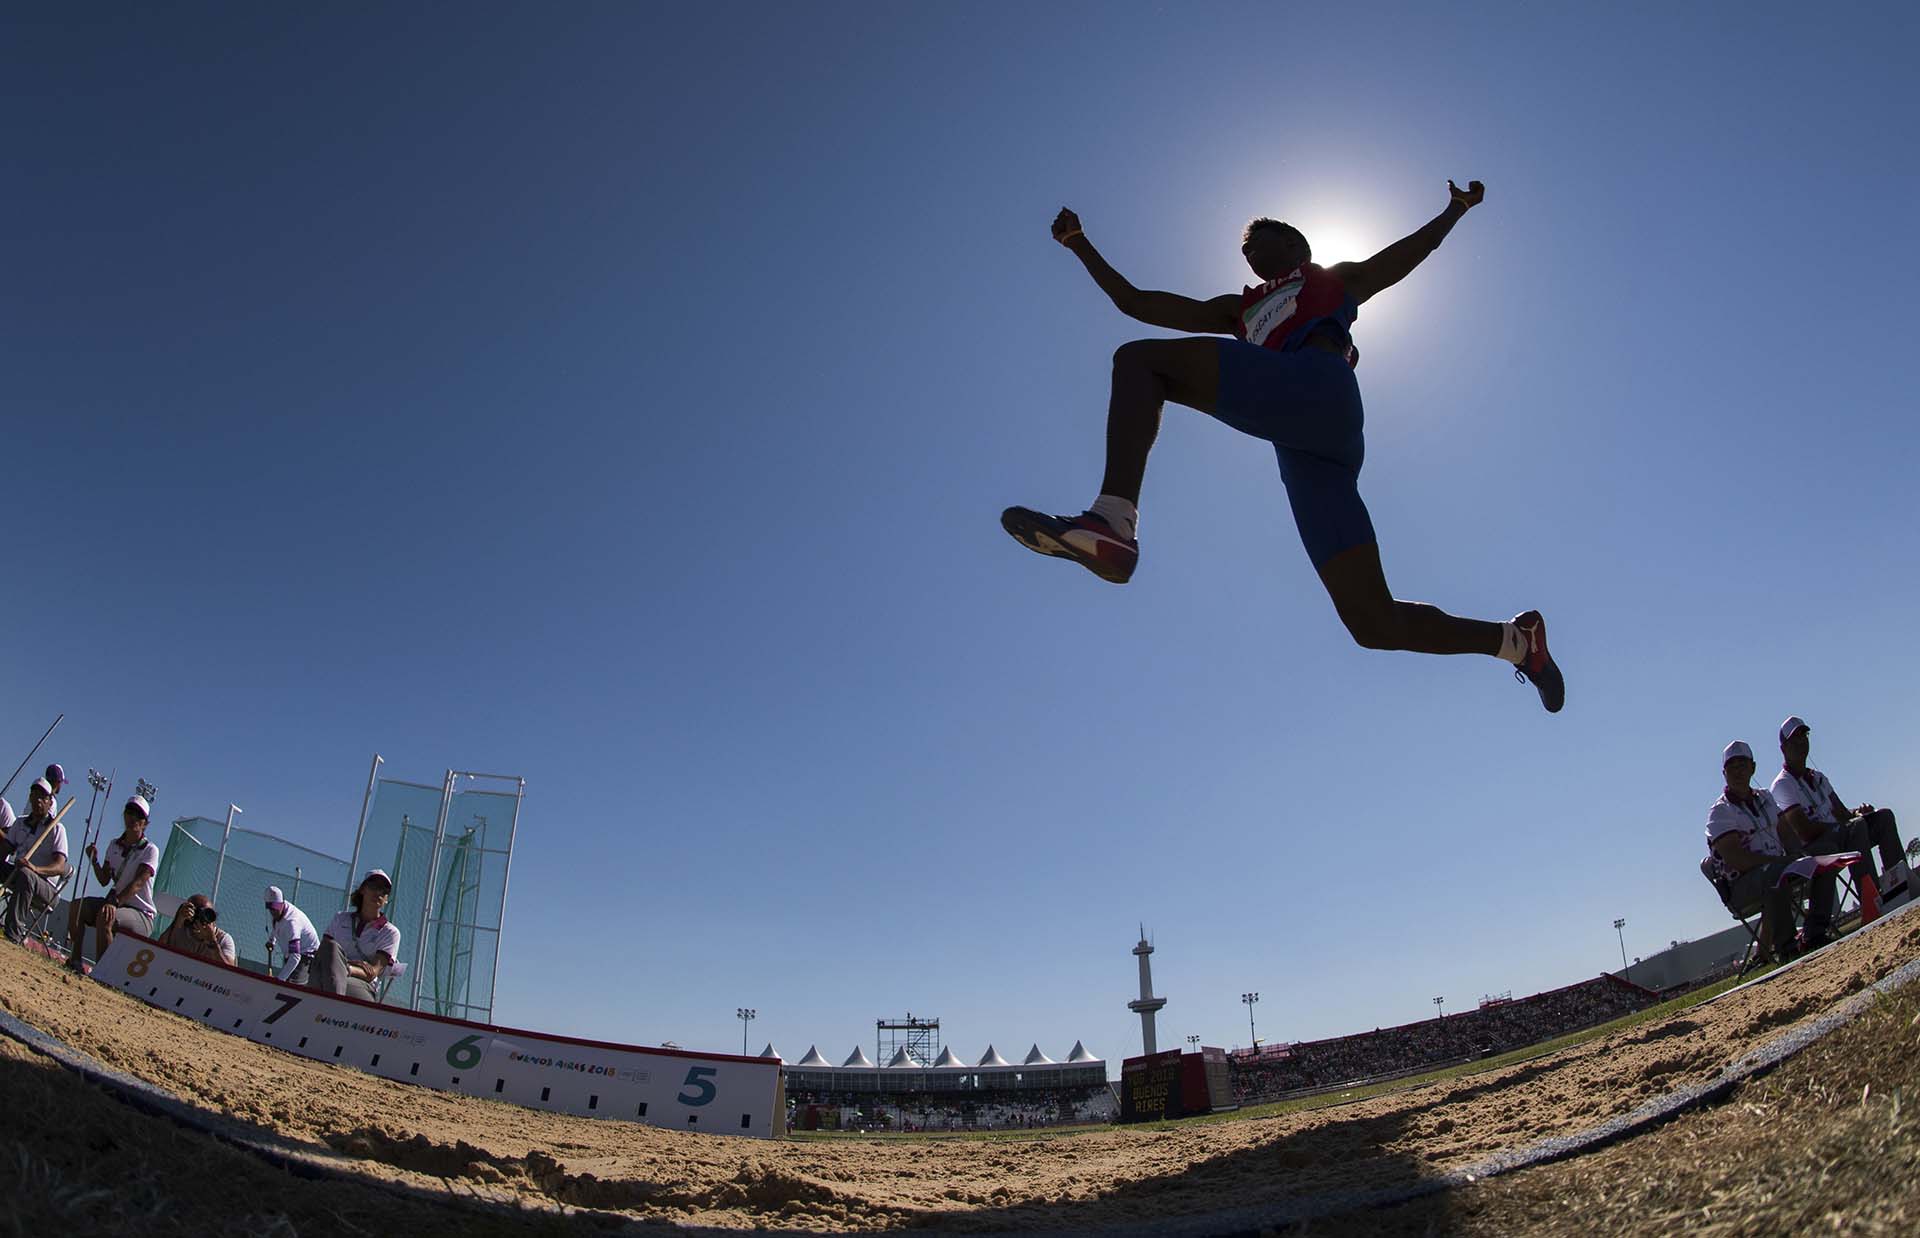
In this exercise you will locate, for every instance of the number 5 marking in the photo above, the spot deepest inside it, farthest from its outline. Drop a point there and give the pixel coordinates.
(286, 1004)
(697, 1077)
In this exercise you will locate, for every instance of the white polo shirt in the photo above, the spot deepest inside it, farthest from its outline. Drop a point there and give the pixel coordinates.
(21, 833)
(1758, 821)
(120, 860)
(1812, 795)
(377, 936)
(293, 934)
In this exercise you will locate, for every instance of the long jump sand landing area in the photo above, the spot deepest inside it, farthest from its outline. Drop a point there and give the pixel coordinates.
(586, 1175)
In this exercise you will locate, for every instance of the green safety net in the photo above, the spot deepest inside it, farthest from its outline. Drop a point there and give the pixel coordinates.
(312, 881)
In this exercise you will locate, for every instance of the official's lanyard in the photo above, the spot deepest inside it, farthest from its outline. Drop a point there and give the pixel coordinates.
(1816, 802)
(1750, 809)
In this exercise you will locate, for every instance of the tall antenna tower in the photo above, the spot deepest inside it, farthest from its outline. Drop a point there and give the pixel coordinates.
(1146, 1005)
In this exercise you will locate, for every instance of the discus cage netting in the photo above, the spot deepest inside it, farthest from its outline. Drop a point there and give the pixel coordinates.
(449, 850)
(237, 883)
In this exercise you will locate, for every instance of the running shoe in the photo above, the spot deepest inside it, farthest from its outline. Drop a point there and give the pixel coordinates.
(1538, 668)
(1086, 539)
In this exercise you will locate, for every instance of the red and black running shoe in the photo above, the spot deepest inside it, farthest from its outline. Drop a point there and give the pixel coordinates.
(1537, 667)
(1086, 539)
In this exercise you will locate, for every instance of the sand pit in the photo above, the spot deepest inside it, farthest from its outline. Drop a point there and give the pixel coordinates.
(1106, 1177)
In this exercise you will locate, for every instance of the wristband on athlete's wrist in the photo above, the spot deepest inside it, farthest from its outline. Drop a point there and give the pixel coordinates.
(1073, 235)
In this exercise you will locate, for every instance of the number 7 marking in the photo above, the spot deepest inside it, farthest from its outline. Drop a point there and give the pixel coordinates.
(286, 1004)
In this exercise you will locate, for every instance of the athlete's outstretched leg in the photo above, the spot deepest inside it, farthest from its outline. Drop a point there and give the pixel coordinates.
(1146, 374)
(1378, 620)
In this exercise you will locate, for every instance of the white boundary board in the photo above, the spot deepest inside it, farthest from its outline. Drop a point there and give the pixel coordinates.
(715, 1093)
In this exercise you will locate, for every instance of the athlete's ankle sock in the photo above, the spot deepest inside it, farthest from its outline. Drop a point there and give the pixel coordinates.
(1513, 643)
(1119, 513)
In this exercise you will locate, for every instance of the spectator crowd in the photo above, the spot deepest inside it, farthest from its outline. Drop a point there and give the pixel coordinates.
(1028, 1109)
(1498, 1027)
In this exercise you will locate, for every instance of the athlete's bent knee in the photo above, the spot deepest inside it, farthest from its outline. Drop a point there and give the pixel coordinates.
(1134, 354)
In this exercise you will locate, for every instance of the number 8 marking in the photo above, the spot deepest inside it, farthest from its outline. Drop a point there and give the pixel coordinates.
(138, 967)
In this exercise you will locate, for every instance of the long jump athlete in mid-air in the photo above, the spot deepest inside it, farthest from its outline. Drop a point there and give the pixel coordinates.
(1286, 377)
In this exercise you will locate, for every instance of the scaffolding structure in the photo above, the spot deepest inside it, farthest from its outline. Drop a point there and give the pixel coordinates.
(919, 1037)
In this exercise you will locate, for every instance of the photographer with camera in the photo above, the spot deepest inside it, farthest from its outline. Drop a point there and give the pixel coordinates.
(196, 931)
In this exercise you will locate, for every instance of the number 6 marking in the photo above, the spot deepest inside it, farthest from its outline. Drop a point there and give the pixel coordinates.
(138, 966)
(464, 1054)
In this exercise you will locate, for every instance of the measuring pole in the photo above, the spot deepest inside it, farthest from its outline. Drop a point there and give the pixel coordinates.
(34, 749)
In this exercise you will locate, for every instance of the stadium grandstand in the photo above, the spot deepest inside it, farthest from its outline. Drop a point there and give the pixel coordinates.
(947, 1093)
(1501, 1024)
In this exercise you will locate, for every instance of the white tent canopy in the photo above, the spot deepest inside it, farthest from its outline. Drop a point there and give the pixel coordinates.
(992, 1058)
(948, 1059)
(901, 1059)
(1080, 1054)
(859, 1058)
(1037, 1058)
(771, 1052)
(813, 1058)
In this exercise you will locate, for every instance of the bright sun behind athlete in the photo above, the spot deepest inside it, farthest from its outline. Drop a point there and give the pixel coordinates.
(1286, 377)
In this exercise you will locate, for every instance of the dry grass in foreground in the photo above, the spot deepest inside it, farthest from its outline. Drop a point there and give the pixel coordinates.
(1828, 1143)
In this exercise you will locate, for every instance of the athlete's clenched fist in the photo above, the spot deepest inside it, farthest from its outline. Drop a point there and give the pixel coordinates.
(1470, 196)
(1066, 226)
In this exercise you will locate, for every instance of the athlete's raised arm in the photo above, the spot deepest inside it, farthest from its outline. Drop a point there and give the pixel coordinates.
(1156, 309)
(1396, 261)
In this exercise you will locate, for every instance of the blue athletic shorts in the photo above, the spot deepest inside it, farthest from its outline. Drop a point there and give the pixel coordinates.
(1307, 404)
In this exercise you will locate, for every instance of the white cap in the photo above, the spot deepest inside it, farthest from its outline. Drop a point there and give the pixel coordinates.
(1791, 725)
(1738, 748)
(139, 804)
(43, 786)
(274, 895)
(381, 873)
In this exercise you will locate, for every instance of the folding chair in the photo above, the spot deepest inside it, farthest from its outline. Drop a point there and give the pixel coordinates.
(37, 927)
(387, 977)
(1748, 915)
(37, 919)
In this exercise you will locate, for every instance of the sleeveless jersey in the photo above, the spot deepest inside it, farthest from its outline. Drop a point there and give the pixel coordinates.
(1281, 313)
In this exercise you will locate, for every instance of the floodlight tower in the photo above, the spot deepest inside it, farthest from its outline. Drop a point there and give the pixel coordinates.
(1146, 1004)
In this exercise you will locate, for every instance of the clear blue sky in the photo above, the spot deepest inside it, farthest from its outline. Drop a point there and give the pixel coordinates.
(626, 398)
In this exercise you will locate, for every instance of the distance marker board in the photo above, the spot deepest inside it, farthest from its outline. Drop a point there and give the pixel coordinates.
(716, 1093)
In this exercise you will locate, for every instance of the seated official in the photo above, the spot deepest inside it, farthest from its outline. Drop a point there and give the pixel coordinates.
(359, 943)
(38, 844)
(1743, 842)
(127, 874)
(292, 935)
(1819, 820)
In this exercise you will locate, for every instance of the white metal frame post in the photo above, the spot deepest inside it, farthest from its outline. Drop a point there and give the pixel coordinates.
(220, 866)
(500, 932)
(426, 903)
(366, 801)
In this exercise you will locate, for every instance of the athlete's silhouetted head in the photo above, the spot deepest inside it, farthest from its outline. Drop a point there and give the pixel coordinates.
(1273, 248)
